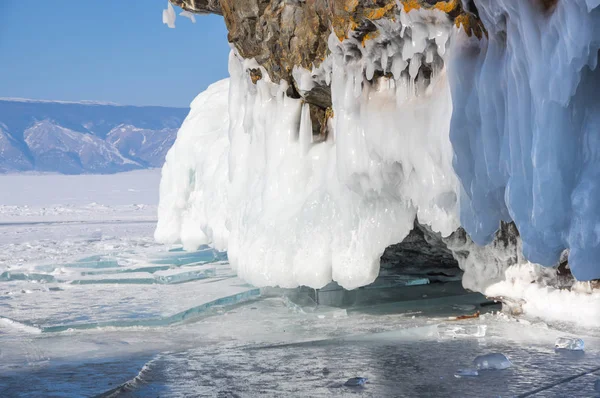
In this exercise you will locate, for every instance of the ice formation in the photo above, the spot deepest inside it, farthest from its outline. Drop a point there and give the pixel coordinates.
(168, 16)
(188, 15)
(493, 361)
(292, 212)
(569, 343)
(427, 122)
(526, 117)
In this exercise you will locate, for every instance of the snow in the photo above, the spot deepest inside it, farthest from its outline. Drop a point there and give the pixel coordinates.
(546, 302)
(58, 218)
(43, 190)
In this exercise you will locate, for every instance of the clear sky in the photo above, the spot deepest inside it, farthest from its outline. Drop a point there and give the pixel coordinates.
(107, 50)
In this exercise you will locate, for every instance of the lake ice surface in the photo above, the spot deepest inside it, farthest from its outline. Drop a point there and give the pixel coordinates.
(91, 305)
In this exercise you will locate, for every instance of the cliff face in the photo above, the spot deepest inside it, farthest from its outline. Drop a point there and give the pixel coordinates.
(281, 35)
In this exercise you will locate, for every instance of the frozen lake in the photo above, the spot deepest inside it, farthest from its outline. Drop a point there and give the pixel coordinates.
(90, 305)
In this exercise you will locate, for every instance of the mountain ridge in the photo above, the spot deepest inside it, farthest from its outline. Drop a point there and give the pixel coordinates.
(84, 137)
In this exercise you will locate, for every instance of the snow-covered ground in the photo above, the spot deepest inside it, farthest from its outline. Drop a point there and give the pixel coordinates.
(48, 218)
(90, 304)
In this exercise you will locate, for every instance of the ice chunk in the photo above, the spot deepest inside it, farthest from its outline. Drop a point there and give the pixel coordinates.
(569, 343)
(466, 373)
(177, 276)
(189, 15)
(19, 276)
(168, 16)
(454, 331)
(356, 382)
(494, 361)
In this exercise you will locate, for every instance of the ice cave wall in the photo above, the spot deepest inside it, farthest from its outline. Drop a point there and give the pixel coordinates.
(487, 106)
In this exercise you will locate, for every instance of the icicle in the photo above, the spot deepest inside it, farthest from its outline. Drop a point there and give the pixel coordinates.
(415, 64)
(305, 132)
(370, 70)
(168, 16)
(429, 56)
(398, 65)
(188, 15)
(384, 60)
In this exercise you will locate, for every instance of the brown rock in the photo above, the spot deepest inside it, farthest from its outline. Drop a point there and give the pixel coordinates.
(281, 34)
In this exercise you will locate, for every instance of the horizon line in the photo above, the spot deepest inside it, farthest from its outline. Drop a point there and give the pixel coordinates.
(83, 102)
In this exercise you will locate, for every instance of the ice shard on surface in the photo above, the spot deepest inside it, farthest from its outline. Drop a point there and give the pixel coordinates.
(493, 361)
(569, 343)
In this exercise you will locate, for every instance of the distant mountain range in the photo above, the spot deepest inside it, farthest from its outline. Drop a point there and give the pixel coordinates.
(84, 137)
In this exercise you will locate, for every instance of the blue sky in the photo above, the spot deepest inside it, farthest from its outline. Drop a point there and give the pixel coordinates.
(107, 50)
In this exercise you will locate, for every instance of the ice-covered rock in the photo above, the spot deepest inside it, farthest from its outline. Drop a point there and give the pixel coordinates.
(466, 373)
(569, 343)
(356, 382)
(493, 361)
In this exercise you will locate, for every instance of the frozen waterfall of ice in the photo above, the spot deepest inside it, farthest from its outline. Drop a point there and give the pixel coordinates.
(525, 129)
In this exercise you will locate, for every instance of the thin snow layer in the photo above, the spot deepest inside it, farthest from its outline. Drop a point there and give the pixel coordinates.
(292, 212)
(522, 283)
(525, 128)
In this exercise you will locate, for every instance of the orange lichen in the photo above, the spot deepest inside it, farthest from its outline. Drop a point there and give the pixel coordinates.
(378, 13)
(446, 6)
(410, 5)
(351, 5)
(342, 25)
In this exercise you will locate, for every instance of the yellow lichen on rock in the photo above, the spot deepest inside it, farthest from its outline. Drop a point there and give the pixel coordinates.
(446, 6)
(410, 5)
(378, 13)
(350, 5)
